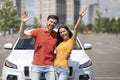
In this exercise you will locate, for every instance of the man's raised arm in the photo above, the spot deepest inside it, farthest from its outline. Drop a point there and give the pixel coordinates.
(24, 19)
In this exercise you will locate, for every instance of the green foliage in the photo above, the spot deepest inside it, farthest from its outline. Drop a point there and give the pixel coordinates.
(83, 28)
(116, 27)
(9, 18)
(103, 24)
(36, 24)
(99, 24)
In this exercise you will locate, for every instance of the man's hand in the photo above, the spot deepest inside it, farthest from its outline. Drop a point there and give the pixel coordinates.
(25, 17)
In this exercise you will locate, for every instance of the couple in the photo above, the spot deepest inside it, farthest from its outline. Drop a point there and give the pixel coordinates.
(46, 40)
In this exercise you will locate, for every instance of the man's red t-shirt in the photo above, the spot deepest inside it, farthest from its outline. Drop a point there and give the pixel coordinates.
(44, 46)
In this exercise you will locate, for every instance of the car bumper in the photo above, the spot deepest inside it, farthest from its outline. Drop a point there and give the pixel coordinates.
(22, 74)
(17, 74)
(83, 74)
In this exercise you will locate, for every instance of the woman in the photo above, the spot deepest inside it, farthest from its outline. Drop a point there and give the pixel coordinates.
(65, 44)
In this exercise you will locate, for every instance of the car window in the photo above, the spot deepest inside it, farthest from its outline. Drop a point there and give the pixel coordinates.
(25, 44)
(29, 44)
(77, 46)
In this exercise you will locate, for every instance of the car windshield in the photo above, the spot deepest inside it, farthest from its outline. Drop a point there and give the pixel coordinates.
(29, 44)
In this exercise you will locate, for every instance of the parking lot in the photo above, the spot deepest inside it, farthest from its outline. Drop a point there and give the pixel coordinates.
(105, 53)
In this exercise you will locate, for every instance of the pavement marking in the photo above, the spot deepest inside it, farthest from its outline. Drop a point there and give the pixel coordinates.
(107, 78)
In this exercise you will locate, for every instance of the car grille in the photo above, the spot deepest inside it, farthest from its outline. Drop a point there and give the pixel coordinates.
(26, 71)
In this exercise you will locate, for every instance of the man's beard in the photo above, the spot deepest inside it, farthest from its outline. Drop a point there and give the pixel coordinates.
(50, 27)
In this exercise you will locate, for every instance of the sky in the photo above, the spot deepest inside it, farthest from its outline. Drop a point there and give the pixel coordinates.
(112, 7)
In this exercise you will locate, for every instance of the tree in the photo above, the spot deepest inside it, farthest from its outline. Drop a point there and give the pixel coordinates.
(115, 26)
(36, 24)
(98, 23)
(9, 18)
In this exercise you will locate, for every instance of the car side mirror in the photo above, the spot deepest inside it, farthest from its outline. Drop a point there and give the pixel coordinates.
(8, 46)
(87, 46)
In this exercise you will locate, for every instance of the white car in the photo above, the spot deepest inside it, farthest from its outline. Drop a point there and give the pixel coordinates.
(17, 65)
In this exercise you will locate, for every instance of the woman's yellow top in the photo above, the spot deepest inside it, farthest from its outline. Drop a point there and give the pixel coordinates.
(63, 51)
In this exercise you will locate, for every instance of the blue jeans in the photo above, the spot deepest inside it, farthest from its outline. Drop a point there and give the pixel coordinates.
(37, 71)
(61, 73)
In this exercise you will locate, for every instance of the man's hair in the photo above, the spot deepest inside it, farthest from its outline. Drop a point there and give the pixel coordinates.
(53, 17)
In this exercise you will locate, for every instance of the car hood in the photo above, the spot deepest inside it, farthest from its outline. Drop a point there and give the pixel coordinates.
(25, 57)
(78, 57)
(21, 57)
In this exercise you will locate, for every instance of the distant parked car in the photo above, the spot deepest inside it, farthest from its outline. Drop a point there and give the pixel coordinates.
(17, 66)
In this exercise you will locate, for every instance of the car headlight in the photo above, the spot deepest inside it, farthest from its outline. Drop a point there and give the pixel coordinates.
(85, 65)
(10, 65)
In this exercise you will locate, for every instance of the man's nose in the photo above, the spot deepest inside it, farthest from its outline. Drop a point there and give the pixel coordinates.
(51, 23)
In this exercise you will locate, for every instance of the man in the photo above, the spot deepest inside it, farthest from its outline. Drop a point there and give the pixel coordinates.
(45, 42)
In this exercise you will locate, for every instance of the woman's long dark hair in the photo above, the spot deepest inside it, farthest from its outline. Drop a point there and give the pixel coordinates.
(59, 38)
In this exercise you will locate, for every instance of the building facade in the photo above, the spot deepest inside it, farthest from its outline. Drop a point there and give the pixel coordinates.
(93, 13)
(1, 1)
(20, 4)
(66, 10)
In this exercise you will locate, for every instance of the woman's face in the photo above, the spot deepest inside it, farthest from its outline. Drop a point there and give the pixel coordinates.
(64, 33)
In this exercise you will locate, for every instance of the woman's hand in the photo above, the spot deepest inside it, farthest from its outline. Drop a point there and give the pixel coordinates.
(82, 12)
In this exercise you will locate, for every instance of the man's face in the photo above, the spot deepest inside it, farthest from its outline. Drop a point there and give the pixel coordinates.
(51, 23)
